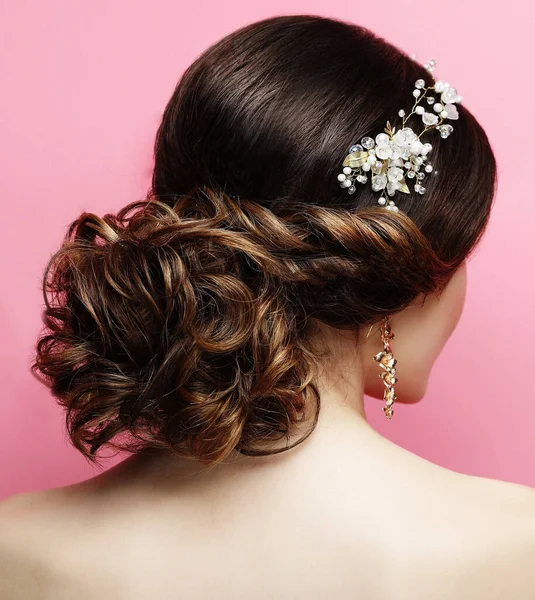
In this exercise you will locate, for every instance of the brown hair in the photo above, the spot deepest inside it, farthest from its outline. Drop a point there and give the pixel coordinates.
(183, 321)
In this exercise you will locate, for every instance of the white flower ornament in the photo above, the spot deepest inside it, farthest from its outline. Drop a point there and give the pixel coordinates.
(394, 156)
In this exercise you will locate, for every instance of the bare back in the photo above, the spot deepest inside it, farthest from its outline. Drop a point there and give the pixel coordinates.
(391, 526)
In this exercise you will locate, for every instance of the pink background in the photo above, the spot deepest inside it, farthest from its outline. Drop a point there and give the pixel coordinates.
(83, 88)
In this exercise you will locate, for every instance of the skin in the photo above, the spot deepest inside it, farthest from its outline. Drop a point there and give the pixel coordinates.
(346, 514)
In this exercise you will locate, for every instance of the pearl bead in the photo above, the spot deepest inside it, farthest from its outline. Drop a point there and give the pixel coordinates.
(346, 183)
(428, 168)
(372, 159)
(444, 114)
(366, 166)
(381, 138)
(347, 170)
(382, 201)
(416, 93)
(341, 177)
(419, 110)
(401, 113)
(438, 107)
(428, 147)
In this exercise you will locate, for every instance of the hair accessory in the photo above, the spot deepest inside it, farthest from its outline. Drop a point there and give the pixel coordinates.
(395, 155)
(387, 362)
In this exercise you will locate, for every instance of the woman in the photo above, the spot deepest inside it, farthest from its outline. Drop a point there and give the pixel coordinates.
(225, 330)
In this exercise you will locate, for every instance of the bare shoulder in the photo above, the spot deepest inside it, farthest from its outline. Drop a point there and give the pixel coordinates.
(453, 535)
(491, 552)
(30, 523)
(19, 574)
(503, 560)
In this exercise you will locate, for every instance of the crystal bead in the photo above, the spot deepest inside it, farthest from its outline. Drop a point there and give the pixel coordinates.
(420, 176)
(367, 142)
(356, 148)
(430, 100)
(352, 189)
(401, 113)
(419, 83)
(377, 167)
(362, 178)
(445, 130)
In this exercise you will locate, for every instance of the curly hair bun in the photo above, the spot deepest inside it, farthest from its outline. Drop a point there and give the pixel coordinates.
(185, 327)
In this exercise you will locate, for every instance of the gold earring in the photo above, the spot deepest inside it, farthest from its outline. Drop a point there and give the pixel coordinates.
(388, 363)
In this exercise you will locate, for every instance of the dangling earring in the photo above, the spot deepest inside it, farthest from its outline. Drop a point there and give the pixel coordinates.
(388, 363)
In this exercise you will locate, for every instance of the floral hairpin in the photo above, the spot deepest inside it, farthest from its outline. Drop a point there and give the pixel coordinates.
(394, 155)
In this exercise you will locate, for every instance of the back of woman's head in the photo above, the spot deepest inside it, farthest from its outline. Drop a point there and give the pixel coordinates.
(184, 321)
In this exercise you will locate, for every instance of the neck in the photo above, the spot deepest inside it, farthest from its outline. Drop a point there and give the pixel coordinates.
(341, 384)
